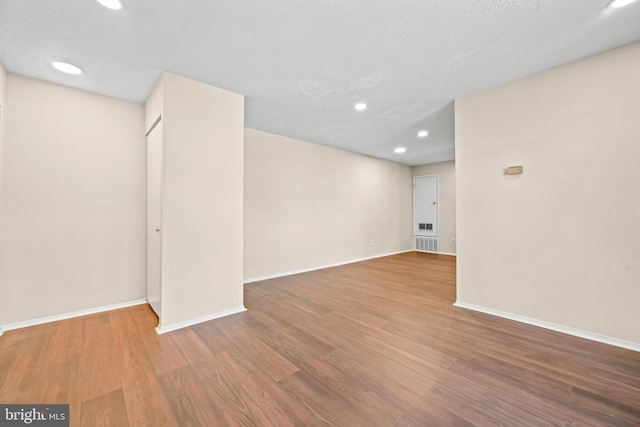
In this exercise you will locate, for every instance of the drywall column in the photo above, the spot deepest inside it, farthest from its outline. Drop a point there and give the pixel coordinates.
(202, 200)
(3, 79)
(559, 243)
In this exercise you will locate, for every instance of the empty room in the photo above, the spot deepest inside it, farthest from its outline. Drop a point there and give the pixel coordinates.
(355, 213)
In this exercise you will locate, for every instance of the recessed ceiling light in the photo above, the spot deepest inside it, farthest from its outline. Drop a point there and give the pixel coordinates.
(111, 4)
(423, 134)
(360, 106)
(66, 68)
(620, 3)
(400, 150)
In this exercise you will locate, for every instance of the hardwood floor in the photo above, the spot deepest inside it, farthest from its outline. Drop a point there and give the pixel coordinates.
(376, 343)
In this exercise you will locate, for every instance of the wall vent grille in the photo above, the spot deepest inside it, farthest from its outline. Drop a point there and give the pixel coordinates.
(426, 244)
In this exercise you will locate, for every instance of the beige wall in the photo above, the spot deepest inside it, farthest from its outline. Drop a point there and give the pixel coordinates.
(74, 211)
(202, 206)
(559, 243)
(446, 172)
(308, 205)
(3, 79)
(154, 105)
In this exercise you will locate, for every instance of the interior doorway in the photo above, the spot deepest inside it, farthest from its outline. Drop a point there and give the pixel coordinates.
(425, 212)
(154, 216)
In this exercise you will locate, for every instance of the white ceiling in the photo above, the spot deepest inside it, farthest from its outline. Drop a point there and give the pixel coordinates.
(303, 64)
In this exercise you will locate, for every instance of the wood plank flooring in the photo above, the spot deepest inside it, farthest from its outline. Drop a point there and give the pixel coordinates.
(375, 343)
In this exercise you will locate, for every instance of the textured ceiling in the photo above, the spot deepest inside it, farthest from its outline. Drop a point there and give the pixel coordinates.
(303, 64)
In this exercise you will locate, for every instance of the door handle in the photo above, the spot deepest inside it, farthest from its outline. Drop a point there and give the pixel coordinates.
(157, 230)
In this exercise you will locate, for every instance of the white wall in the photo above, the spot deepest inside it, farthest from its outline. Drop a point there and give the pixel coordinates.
(202, 206)
(446, 172)
(307, 205)
(74, 201)
(559, 243)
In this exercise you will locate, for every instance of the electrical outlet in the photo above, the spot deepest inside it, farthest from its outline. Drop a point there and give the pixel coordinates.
(453, 240)
(373, 242)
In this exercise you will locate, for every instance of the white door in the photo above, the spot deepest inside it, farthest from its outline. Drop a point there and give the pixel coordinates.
(425, 205)
(154, 217)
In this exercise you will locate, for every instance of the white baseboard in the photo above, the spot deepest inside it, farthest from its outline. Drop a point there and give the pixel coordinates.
(63, 316)
(163, 329)
(437, 253)
(630, 345)
(306, 270)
